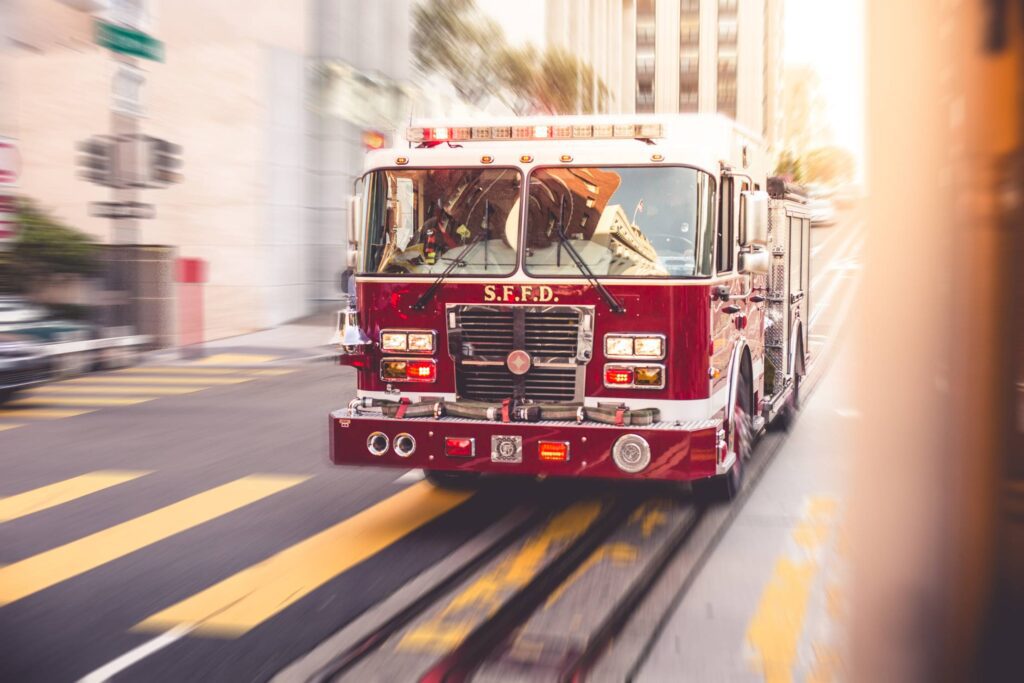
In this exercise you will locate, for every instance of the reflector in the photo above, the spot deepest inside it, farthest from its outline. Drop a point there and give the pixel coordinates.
(459, 447)
(557, 451)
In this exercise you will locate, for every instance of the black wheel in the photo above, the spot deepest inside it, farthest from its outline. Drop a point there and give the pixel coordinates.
(457, 481)
(785, 419)
(727, 486)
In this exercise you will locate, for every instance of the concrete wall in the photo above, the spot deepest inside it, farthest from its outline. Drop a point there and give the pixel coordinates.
(231, 92)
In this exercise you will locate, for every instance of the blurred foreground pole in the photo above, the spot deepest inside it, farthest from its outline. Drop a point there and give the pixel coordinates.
(937, 359)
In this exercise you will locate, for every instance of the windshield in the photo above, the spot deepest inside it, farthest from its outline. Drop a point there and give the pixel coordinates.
(420, 221)
(623, 222)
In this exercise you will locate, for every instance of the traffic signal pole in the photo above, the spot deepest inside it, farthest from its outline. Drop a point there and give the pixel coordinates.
(124, 130)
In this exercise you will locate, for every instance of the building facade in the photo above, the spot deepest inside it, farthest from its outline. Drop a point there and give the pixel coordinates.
(677, 56)
(271, 140)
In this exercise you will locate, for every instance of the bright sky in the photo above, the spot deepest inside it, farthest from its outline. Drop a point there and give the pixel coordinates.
(828, 34)
(523, 20)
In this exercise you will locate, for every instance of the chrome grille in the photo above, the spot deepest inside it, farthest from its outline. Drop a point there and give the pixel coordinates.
(552, 336)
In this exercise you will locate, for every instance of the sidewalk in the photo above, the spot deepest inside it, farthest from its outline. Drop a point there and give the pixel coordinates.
(771, 603)
(303, 339)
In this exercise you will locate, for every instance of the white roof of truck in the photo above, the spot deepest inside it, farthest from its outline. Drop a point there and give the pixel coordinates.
(701, 140)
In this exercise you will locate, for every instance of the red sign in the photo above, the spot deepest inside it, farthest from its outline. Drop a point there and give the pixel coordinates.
(190, 270)
(10, 162)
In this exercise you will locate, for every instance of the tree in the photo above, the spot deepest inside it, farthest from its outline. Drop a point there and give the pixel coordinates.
(804, 125)
(829, 165)
(43, 249)
(453, 39)
(789, 167)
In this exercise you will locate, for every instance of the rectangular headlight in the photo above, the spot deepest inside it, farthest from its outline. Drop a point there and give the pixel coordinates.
(649, 347)
(626, 346)
(394, 341)
(618, 346)
(421, 342)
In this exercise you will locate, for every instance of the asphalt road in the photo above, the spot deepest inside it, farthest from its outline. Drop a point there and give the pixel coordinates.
(182, 522)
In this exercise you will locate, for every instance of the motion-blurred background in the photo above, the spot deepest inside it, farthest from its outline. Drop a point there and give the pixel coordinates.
(174, 172)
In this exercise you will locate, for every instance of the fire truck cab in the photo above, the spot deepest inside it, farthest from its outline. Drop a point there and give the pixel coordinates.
(572, 297)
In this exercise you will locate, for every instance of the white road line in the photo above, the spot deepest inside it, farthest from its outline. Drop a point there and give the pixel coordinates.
(830, 291)
(410, 477)
(836, 259)
(135, 655)
(832, 237)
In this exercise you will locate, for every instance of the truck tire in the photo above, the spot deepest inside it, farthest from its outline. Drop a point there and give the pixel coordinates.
(454, 481)
(725, 487)
(785, 419)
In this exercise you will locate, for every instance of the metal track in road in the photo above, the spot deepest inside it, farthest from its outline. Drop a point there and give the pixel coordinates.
(460, 664)
(376, 638)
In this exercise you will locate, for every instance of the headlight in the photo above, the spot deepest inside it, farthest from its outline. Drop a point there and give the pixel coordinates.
(412, 341)
(421, 342)
(393, 341)
(649, 347)
(618, 346)
(634, 346)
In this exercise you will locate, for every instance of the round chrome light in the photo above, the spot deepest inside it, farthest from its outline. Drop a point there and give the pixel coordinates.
(631, 453)
(405, 445)
(377, 443)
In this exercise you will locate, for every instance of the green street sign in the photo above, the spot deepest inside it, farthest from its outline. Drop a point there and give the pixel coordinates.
(128, 41)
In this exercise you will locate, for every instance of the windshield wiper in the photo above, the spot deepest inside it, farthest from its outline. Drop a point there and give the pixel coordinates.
(485, 232)
(564, 241)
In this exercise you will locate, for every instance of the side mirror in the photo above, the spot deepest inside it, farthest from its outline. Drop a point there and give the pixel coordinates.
(753, 218)
(345, 278)
(755, 262)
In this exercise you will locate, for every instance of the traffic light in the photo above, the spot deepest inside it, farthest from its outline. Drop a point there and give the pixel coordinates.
(165, 160)
(96, 160)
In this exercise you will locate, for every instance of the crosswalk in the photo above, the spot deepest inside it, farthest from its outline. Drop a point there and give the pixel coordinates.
(132, 386)
(234, 605)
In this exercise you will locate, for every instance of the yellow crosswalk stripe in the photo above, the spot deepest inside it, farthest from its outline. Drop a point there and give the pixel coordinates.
(22, 504)
(234, 359)
(29, 413)
(58, 401)
(240, 602)
(185, 371)
(5, 427)
(132, 379)
(21, 579)
(133, 390)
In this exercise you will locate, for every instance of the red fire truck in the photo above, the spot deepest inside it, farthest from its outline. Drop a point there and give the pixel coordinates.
(572, 297)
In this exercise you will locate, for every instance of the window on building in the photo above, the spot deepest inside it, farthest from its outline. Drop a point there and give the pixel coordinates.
(728, 32)
(689, 51)
(728, 28)
(645, 62)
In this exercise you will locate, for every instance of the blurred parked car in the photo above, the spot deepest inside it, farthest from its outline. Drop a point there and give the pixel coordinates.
(32, 323)
(19, 316)
(823, 211)
(23, 362)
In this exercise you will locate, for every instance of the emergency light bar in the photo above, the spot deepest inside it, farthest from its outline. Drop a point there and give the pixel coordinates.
(534, 132)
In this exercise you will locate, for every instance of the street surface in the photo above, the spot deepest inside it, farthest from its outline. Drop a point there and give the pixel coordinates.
(180, 521)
